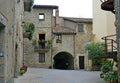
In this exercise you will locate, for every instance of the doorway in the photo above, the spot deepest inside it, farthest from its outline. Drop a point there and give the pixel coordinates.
(81, 62)
(42, 41)
(63, 60)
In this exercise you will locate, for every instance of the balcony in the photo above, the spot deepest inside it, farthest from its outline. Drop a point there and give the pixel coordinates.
(110, 46)
(28, 30)
(107, 5)
(42, 47)
(28, 5)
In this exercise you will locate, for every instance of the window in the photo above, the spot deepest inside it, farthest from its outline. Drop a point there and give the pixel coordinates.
(80, 28)
(41, 57)
(59, 38)
(41, 16)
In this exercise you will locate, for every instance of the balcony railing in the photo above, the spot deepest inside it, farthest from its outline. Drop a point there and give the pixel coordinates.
(110, 46)
(45, 47)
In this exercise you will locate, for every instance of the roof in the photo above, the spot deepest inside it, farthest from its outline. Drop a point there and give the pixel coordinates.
(67, 30)
(46, 6)
(63, 30)
(80, 20)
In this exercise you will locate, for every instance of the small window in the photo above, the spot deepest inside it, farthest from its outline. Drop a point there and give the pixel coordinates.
(41, 57)
(59, 38)
(80, 28)
(41, 16)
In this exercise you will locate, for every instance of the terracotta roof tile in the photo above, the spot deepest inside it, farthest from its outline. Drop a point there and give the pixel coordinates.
(63, 30)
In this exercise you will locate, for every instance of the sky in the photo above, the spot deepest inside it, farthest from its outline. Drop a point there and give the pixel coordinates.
(70, 8)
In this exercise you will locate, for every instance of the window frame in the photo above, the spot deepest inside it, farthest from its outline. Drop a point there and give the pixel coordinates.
(41, 57)
(59, 38)
(80, 29)
(41, 16)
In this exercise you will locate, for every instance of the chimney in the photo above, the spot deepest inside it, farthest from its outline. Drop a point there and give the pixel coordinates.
(56, 17)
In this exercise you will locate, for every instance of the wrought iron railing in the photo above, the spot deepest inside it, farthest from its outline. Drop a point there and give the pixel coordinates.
(110, 46)
(42, 47)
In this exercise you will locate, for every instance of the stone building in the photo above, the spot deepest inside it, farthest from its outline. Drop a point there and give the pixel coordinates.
(70, 38)
(42, 17)
(11, 38)
(64, 39)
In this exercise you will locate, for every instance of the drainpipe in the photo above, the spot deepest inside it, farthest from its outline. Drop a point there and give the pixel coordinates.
(14, 37)
(51, 46)
(56, 23)
(74, 52)
(117, 24)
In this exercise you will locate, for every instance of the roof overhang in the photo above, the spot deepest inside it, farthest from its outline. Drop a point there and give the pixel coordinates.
(46, 6)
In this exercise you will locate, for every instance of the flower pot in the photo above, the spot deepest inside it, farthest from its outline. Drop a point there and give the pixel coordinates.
(113, 81)
(26, 34)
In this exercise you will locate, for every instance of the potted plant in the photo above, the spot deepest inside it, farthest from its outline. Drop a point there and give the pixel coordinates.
(108, 73)
(29, 29)
(23, 69)
(111, 76)
(107, 66)
(28, 4)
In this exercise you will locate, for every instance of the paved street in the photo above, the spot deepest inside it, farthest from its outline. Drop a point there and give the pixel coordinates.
(36, 75)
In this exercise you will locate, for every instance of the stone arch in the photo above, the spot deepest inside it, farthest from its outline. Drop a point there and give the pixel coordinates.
(63, 60)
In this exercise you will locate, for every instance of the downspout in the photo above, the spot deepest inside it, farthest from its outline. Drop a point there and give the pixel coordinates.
(117, 24)
(14, 38)
(74, 52)
(56, 22)
(51, 46)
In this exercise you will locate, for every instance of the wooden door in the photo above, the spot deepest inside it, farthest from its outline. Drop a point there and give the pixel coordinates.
(81, 62)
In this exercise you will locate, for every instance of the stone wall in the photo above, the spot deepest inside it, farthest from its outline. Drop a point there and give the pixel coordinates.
(67, 45)
(73, 44)
(6, 67)
(81, 40)
(31, 57)
(11, 13)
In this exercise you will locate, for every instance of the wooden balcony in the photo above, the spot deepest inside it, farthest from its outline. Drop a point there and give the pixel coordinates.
(110, 46)
(108, 5)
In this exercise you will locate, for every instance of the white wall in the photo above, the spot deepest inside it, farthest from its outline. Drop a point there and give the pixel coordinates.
(103, 21)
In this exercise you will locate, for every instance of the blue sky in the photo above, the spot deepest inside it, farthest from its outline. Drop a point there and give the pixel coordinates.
(70, 8)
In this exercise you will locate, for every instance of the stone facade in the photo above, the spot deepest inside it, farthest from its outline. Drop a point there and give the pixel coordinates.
(11, 35)
(81, 40)
(71, 44)
(43, 27)
(74, 42)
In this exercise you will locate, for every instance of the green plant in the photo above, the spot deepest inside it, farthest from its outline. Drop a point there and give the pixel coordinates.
(111, 76)
(38, 43)
(29, 27)
(23, 69)
(95, 53)
(31, 5)
(107, 66)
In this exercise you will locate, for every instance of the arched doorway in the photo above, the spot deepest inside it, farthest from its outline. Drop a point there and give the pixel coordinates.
(63, 60)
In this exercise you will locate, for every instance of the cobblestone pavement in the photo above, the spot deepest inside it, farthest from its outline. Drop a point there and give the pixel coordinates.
(39, 75)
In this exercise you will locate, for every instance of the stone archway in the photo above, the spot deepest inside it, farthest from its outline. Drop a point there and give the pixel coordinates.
(63, 60)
